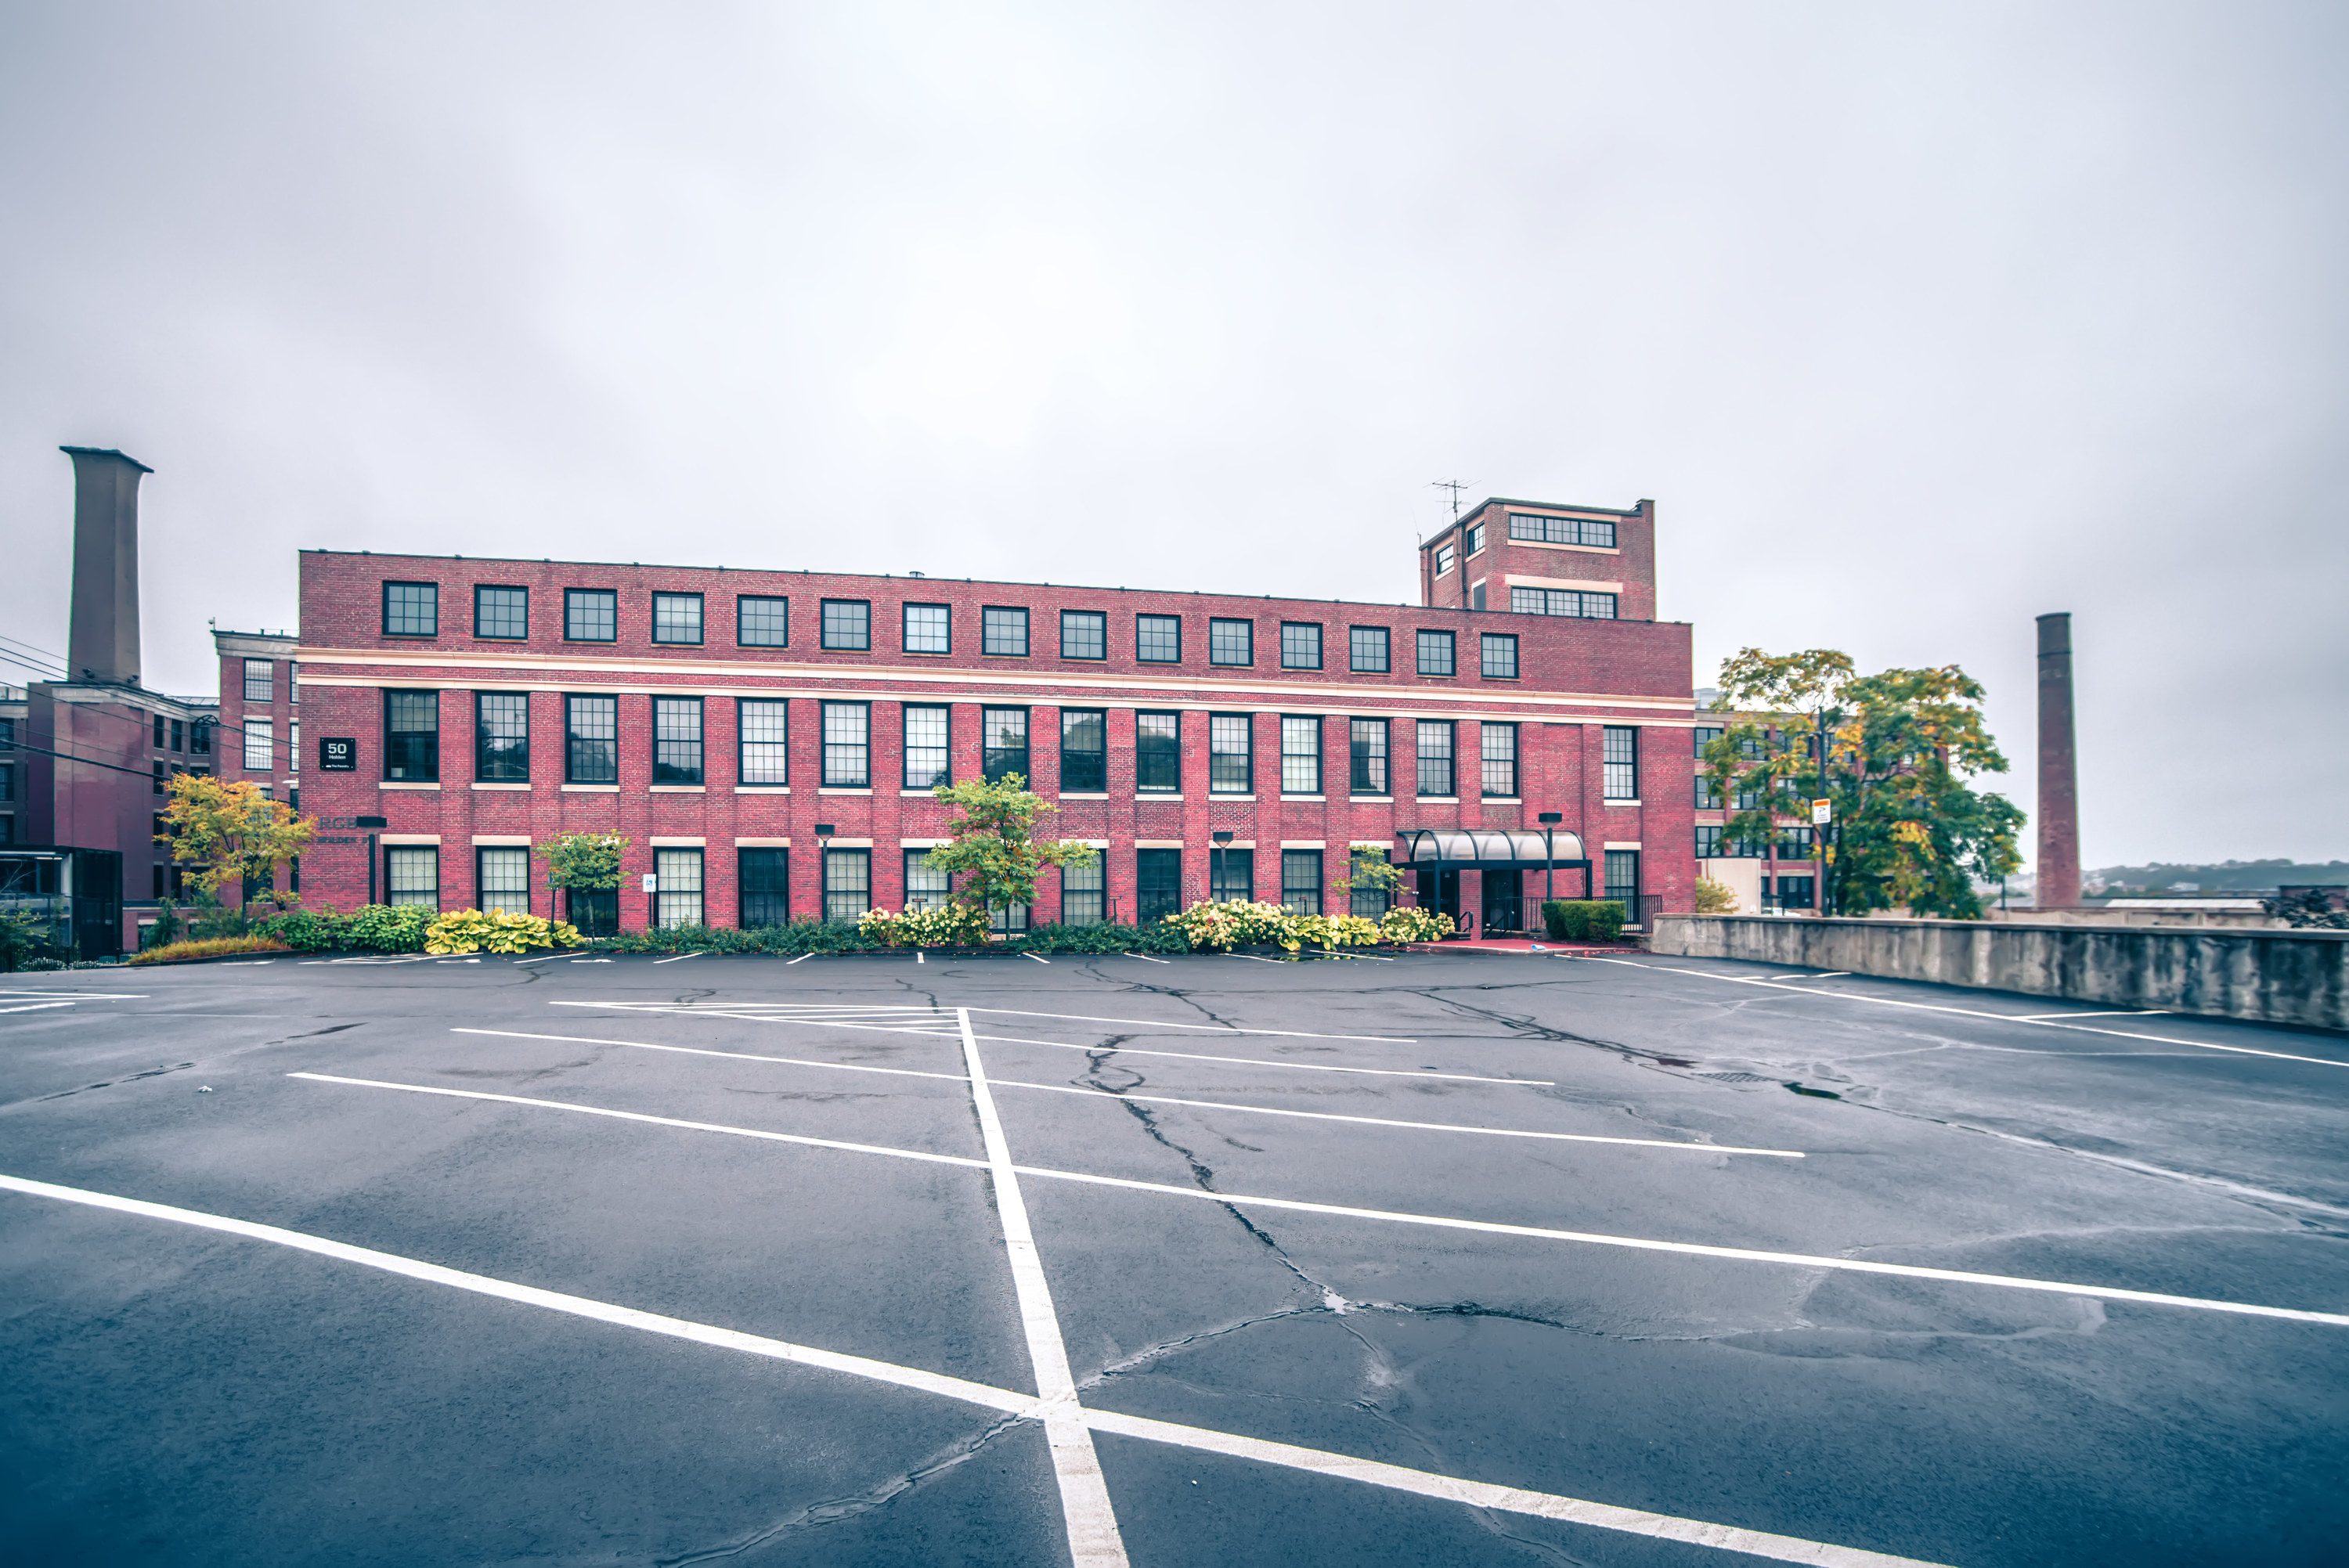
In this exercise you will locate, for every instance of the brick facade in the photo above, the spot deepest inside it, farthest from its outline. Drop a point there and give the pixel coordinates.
(1575, 677)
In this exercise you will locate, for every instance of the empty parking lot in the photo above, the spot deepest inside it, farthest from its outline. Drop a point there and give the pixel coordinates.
(1440, 1259)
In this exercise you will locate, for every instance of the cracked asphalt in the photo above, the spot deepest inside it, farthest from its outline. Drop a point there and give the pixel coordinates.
(175, 1395)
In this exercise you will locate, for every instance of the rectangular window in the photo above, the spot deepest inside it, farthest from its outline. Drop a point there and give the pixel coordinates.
(762, 878)
(411, 875)
(1004, 631)
(1084, 749)
(924, 887)
(161, 772)
(847, 745)
(1158, 753)
(1794, 843)
(1003, 740)
(1794, 893)
(7, 735)
(260, 685)
(678, 886)
(848, 625)
(1623, 879)
(1083, 890)
(1300, 646)
(1300, 756)
(501, 737)
(1231, 769)
(1445, 559)
(1436, 653)
(411, 608)
(1300, 880)
(1231, 876)
(8, 781)
(159, 732)
(199, 736)
(591, 740)
(1499, 745)
(847, 885)
(1562, 601)
(1500, 656)
(1084, 634)
(1369, 902)
(179, 735)
(761, 622)
(293, 748)
(929, 629)
(677, 618)
(292, 681)
(501, 613)
(1598, 530)
(1158, 639)
(412, 734)
(591, 614)
(1706, 736)
(929, 762)
(502, 879)
(1708, 843)
(677, 747)
(1157, 885)
(1368, 743)
(1231, 642)
(1435, 777)
(261, 747)
(763, 732)
(1622, 762)
(1476, 538)
(1366, 650)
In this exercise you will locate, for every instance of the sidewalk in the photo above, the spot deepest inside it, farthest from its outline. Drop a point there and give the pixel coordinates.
(1527, 945)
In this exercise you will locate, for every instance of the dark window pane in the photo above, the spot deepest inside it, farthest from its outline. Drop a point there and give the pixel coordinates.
(677, 618)
(411, 742)
(1300, 646)
(1158, 639)
(1500, 759)
(1366, 649)
(928, 760)
(1230, 766)
(1500, 656)
(1003, 733)
(763, 623)
(763, 877)
(1300, 756)
(1005, 631)
(1300, 880)
(1084, 634)
(502, 738)
(764, 729)
(1082, 891)
(411, 608)
(847, 885)
(847, 745)
(1158, 883)
(1621, 781)
(1435, 757)
(1231, 874)
(1231, 642)
(501, 613)
(1436, 653)
(591, 740)
(1158, 752)
(677, 742)
(1084, 749)
(1369, 744)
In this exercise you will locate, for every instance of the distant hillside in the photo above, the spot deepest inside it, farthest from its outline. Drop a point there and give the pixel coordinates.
(2245, 876)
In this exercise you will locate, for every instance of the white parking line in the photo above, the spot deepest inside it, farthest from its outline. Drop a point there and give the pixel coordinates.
(17, 994)
(1147, 959)
(36, 1007)
(1473, 1494)
(1537, 1233)
(2044, 1020)
(1094, 1539)
(800, 959)
(2116, 1013)
(699, 1051)
(1040, 961)
(641, 1116)
(1413, 1126)
(678, 959)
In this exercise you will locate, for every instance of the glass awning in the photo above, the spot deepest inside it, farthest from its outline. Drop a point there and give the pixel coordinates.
(1473, 846)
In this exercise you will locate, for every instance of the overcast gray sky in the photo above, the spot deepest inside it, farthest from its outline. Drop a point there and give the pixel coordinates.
(1917, 321)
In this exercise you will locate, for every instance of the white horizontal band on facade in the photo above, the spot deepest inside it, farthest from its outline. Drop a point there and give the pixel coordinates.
(783, 843)
(509, 839)
(797, 679)
(1586, 584)
(1304, 844)
(847, 843)
(1157, 843)
(408, 838)
(501, 786)
(922, 843)
(1092, 843)
(679, 788)
(1611, 844)
(591, 788)
(762, 789)
(406, 784)
(660, 843)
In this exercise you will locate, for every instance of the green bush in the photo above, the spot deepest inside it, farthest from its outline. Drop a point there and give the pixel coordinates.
(1583, 919)
(1049, 938)
(208, 947)
(496, 931)
(1402, 923)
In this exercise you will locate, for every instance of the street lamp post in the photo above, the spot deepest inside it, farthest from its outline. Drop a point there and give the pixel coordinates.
(1549, 821)
(823, 833)
(1215, 875)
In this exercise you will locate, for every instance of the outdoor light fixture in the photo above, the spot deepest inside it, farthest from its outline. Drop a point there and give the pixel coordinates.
(1550, 851)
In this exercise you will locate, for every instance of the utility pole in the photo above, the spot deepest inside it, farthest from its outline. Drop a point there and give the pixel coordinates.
(1454, 486)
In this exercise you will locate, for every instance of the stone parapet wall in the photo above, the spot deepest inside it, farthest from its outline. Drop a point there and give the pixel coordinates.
(2297, 977)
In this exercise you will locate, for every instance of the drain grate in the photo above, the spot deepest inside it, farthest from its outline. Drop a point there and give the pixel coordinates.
(1737, 1078)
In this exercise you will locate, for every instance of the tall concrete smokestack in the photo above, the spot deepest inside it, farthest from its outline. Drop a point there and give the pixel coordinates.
(2059, 775)
(102, 640)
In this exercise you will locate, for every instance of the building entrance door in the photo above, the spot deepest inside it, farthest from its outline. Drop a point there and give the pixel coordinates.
(1439, 892)
(1503, 908)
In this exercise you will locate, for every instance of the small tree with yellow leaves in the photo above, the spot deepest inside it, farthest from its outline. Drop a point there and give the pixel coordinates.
(233, 833)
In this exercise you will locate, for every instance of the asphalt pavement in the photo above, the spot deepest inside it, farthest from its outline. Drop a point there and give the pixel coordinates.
(1440, 1259)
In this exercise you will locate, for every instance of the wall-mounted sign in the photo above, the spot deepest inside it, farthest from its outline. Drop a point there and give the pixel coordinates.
(338, 754)
(1822, 812)
(652, 882)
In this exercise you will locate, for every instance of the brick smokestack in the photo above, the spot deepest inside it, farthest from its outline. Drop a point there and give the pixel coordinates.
(102, 640)
(2059, 776)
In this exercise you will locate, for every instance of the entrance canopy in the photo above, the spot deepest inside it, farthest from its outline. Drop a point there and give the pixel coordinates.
(1487, 848)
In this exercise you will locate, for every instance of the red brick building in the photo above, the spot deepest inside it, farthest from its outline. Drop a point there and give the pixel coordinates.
(767, 740)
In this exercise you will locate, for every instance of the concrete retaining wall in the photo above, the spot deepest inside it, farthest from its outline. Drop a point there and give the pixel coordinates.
(2266, 977)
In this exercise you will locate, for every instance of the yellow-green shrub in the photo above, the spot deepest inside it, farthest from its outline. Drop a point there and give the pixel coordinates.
(1401, 925)
(212, 947)
(953, 925)
(495, 931)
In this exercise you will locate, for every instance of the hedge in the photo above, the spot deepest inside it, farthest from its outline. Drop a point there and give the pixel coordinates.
(1583, 919)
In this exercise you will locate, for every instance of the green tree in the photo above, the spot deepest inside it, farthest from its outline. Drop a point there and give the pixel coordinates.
(235, 833)
(994, 847)
(1892, 753)
(1367, 870)
(588, 860)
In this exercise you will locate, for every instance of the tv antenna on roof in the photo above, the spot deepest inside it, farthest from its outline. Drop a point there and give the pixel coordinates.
(1456, 487)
